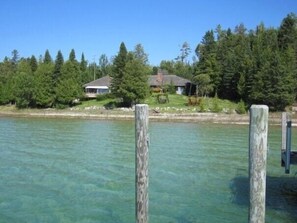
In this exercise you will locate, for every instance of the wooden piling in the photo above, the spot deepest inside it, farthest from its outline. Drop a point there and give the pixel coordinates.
(141, 162)
(284, 130)
(257, 162)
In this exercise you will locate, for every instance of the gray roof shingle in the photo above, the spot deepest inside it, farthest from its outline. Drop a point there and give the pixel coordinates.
(156, 80)
(153, 80)
(103, 81)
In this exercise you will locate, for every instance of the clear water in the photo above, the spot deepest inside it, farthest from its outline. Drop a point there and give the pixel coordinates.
(59, 170)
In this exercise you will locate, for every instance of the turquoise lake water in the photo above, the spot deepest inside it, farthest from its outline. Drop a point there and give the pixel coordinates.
(66, 170)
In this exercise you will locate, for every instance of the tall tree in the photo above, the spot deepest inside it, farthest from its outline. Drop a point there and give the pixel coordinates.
(33, 63)
(134, 87)
(184, 53)
(287, 34)
(44, 85)
(24, 90)
(104, 66)
(47, 57)
(168, 66)
(69, 86)
(72, 56)
(83, 63)
(208, 66)
(15, 56)
(139, 54)
(7, 73)
(58, 66)
(119, 64)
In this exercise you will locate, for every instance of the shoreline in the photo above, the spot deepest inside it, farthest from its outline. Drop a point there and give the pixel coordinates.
(219, 118)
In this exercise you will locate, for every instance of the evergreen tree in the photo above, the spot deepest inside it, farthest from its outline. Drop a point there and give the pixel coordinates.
(47, 57)
(72, 57)
(24, 90)
(57, 69)
(6, 82)
(24, 67)
(208, 66)
(130, 79)
(69, 87)
(119, 64)
(287, 34)
(33, 63)
(105, 67)
(83, 69)
(83, 63)
(139, 54)
(184, 53)
(15, 56)
(167, 66)
(44, 85)
(134, 87)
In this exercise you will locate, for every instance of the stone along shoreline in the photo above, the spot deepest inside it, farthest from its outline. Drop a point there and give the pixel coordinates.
(128, 114)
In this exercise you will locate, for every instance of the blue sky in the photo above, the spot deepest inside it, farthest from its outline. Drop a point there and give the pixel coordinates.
(97, 27)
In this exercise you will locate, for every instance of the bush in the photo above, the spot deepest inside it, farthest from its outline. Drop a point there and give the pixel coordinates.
(101, 97)
(61, 106)
(202, 105)
(241, 109)
(215, 106)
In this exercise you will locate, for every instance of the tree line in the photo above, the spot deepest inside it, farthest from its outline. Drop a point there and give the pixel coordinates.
(47, 83)
(254, 66)
(258, 66)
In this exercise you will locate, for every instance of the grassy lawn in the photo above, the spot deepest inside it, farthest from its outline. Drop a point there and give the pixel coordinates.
(177, 103)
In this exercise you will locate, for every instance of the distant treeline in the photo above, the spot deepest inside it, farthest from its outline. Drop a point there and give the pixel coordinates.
(256, 66)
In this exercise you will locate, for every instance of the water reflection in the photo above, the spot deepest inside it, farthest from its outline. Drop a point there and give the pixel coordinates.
(281, 193)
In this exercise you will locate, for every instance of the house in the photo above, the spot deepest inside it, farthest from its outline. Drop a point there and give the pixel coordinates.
(102, 85)
(96, 87)
(160, 80)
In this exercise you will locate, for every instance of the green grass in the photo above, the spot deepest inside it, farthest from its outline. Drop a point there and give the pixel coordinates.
(94, 102)
(177, 104)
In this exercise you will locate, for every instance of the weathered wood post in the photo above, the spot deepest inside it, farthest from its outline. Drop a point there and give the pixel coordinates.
(141, 162)
(257, 162)
(284, 130)
(288, 146)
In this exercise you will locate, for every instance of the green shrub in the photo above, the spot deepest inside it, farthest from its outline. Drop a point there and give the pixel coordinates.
(202, 105)
(241, 109)
(101, 97)
(216, 106)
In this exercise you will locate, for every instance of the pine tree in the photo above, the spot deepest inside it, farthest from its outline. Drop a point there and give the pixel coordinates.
(33, 63)
(139, 54)
(83, 63)
(44, 85)
(24, 90)
(47, 57)
(287, 34)
(119, 64)
(57, 69)
(6, 82)
(72, 56)
(105, 67)
(134, 87)
(69, 88)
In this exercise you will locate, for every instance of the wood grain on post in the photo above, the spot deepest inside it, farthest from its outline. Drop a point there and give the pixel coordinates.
(284, 130)
(257, 162)
(141, 162)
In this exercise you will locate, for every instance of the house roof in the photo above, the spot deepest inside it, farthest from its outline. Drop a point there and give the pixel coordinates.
(153, 80)
(103, 81)
(157, 80)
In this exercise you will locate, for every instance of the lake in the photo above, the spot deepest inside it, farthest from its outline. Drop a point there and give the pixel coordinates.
(68, 170)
